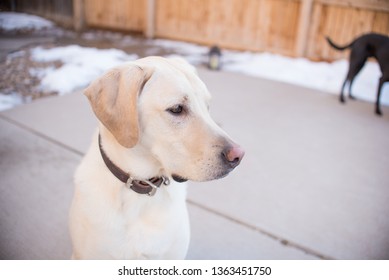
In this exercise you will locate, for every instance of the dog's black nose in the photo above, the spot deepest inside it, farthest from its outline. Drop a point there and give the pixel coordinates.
(233, 155)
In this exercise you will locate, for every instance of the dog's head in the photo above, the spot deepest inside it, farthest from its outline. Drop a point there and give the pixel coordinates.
(162, 105)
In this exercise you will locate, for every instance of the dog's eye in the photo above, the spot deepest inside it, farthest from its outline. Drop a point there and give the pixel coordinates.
(176, 110)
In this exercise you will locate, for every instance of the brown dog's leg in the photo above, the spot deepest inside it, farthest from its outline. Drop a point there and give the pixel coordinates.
(350, 95)
(341, 97)
(377, 104)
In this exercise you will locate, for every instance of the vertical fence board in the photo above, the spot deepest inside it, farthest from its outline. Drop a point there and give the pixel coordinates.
(118, 14)
(381, 22)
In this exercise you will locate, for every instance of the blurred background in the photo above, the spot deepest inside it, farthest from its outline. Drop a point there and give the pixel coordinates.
(287, 27)
(276, 39)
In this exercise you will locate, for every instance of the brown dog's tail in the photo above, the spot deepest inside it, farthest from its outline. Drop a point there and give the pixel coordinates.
(340, 48)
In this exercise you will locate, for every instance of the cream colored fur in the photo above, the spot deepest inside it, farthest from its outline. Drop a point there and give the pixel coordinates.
(142, 136)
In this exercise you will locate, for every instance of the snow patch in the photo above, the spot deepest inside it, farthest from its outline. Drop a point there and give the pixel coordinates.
(8, 101)
(323, 76)
(80, 66)
(10, 21)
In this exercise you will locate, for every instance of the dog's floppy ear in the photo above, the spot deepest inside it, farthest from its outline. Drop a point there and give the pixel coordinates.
(114, 98)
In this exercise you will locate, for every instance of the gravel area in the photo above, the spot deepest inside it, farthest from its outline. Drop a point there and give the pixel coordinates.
(19, 74)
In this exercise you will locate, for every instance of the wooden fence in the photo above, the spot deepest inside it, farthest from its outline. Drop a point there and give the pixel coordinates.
(246, 25)
(119, 14)
(343, 21)
(59, 11)
(288, 27)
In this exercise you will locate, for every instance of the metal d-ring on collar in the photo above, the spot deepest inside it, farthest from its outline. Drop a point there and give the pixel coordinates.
(148, 187)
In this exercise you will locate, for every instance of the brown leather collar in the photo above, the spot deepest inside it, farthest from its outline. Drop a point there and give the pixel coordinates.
(148, 187)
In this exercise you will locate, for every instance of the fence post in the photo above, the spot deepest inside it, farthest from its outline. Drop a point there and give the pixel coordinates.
(150, 19)
(303, 28)
(78, 15)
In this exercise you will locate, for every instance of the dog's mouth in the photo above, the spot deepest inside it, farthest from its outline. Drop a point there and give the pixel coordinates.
(179, 179)
(216, 175)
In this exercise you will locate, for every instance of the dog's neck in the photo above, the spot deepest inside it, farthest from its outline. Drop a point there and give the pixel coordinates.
(123, 163)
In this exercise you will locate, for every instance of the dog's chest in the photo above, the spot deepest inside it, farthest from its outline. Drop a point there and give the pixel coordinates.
(154, 229)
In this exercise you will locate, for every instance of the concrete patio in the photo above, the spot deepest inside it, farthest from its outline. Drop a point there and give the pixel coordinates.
(314, 182)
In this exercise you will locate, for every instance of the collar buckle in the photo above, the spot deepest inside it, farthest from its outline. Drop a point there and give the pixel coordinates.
(136, 185)
(154, 187)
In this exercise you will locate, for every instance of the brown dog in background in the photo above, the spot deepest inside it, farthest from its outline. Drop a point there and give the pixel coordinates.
(363, 47)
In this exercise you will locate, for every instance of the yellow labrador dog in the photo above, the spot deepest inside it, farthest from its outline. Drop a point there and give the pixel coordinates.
(155, 132)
